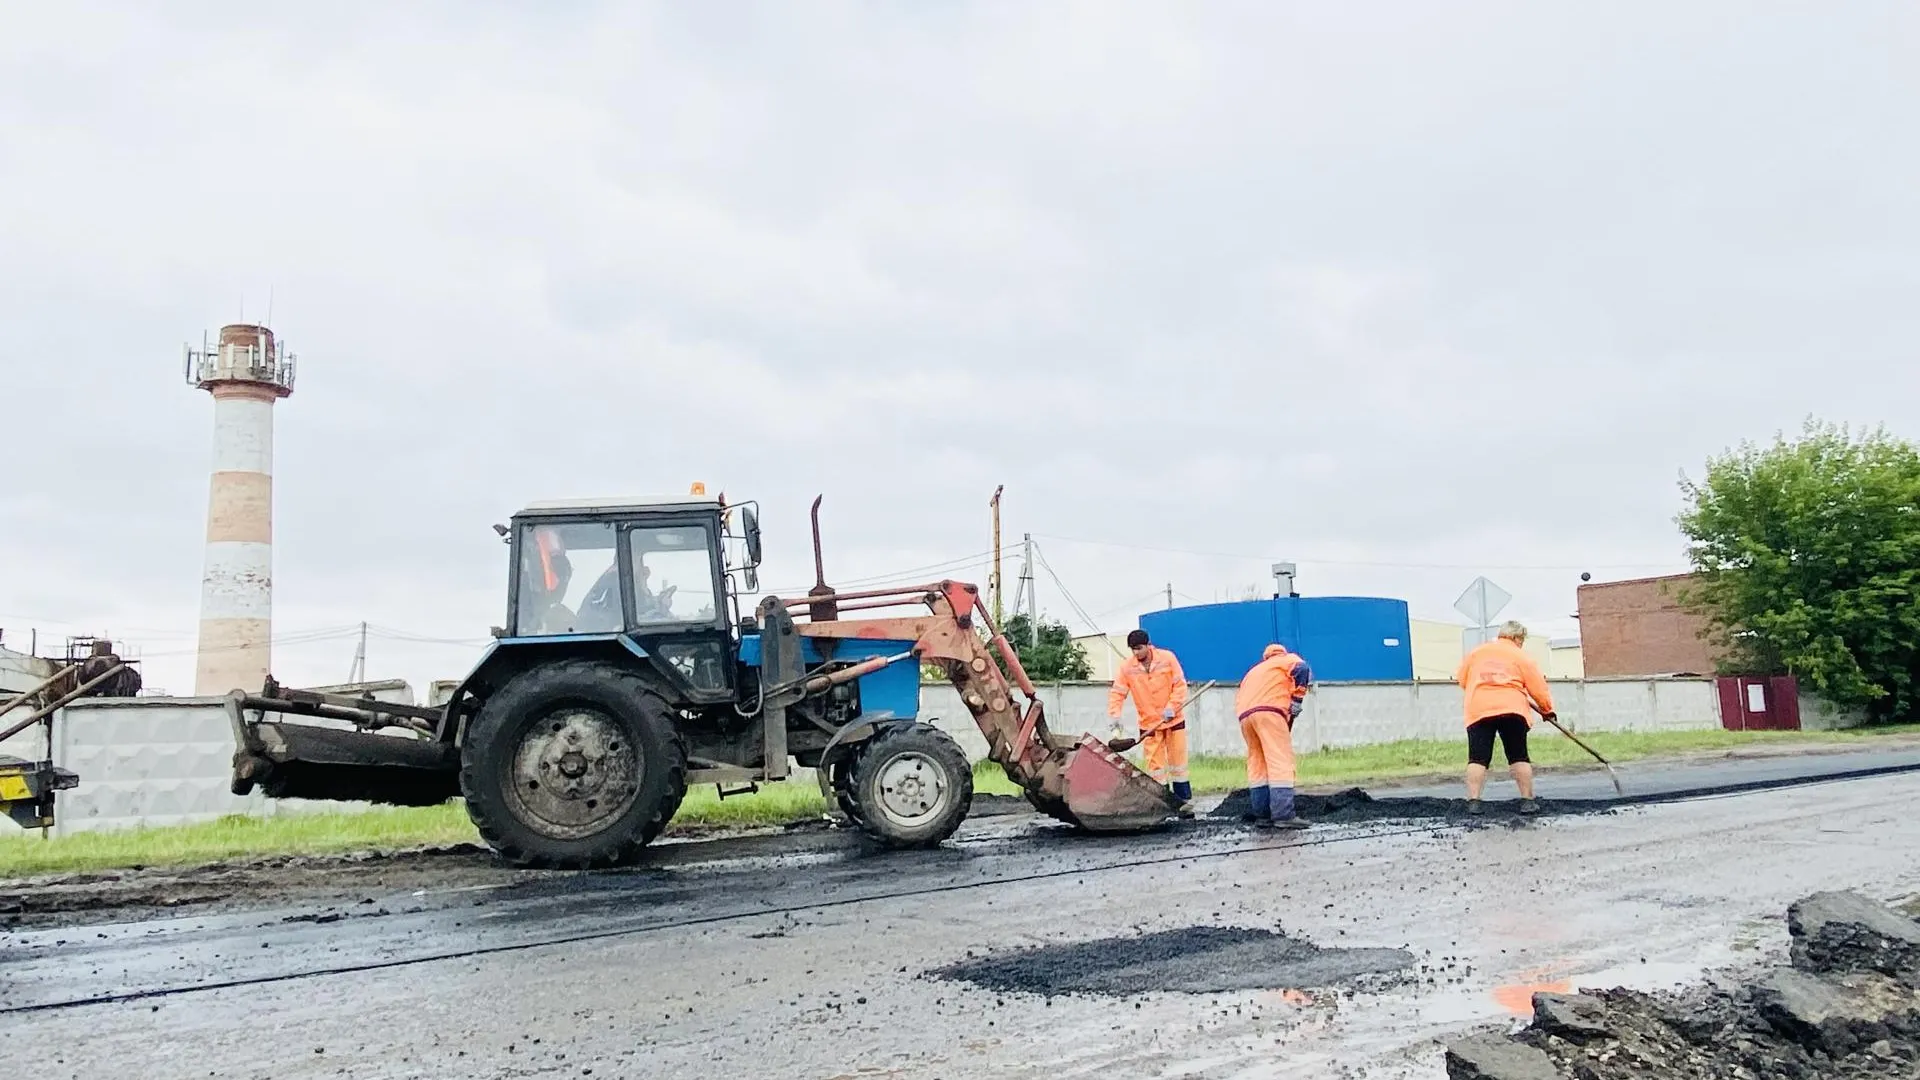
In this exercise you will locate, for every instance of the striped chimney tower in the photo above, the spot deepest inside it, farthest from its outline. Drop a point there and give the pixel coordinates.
(246, 372)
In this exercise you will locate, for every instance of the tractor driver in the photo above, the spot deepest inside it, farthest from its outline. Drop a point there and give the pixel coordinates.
(648, 607)
(600, 608)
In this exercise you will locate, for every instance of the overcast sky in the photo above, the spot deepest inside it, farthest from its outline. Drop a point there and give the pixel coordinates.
(1402, 292)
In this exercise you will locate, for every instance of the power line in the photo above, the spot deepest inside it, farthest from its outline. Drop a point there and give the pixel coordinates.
(1041, 557)
(908, 574)
(1132, 604)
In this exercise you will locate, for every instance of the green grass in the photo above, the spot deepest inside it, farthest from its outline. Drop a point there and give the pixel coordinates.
(24, 853)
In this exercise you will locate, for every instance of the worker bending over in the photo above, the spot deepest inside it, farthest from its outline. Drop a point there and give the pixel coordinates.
(1159, 690)
(1270, 698)
(1504, 688)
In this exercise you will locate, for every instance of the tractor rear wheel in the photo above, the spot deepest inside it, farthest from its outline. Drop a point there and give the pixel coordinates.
(911, 786)
(573, 765)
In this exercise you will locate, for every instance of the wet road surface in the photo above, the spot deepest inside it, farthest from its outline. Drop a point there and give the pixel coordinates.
(814, 963)
(1654, 779)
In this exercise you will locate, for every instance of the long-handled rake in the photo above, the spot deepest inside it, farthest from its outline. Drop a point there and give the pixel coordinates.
(1604, 763)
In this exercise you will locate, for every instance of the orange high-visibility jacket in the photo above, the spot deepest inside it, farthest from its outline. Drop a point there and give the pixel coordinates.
(1274, 684)
(1155, 685)
(1501, 679)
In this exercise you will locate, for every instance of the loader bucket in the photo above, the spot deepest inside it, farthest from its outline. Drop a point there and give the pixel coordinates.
(1106, 793)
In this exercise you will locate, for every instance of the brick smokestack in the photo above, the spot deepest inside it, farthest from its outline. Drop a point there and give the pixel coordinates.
(246, 372)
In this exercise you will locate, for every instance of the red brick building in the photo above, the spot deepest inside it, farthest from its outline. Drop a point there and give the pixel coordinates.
(1639, 628)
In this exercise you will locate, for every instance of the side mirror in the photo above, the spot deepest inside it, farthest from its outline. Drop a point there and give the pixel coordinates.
(750, 526)
(751, 579)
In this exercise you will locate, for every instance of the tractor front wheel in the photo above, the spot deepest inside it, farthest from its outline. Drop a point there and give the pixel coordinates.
(911, 786)
(573, 765)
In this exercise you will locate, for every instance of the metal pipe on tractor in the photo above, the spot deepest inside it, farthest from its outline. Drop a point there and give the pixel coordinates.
(602, 698)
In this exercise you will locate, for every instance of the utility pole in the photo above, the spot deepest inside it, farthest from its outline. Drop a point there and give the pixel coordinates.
(1169, 596)
(360, 658)
(1024, 598)
(993, 583)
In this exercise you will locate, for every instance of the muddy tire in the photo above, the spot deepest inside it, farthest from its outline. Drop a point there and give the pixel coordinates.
(842, 785)
(911, 786)
(573, 765)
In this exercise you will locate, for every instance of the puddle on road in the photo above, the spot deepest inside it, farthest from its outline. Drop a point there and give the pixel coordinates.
(1192, 960)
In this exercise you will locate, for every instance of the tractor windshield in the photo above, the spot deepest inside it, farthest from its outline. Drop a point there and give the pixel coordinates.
(672, 576)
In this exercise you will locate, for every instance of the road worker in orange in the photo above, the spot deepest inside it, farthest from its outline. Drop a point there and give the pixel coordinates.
(1153, 678)
(1269, 701)
(1504, 688)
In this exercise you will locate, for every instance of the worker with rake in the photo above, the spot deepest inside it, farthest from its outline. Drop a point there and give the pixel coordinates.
(1269, 701)
(1152, 676)
(1504, 688)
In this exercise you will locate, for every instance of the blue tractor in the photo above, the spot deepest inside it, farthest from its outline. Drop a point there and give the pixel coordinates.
(627, 671)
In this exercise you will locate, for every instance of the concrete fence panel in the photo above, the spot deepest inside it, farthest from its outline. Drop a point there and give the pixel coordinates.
(166, 760)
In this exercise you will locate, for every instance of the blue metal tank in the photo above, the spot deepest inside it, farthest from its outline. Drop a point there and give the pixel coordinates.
(1343, 638)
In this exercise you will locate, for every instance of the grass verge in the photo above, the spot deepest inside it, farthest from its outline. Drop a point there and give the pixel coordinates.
(24, 853)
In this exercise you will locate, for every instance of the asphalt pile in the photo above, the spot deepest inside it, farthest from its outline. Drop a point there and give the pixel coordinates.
(1354, 805)
(1845, 1007)
(1196, 959)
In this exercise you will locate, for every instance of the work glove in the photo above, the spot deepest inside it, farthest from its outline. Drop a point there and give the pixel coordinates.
(1550, 716)
(1168, 714)
(1293, 712)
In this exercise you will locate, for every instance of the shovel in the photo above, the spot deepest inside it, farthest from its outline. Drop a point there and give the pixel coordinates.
(1122, 744)
(1611, 775)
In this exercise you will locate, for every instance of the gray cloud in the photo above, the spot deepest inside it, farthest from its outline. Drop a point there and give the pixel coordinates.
(1405, 295)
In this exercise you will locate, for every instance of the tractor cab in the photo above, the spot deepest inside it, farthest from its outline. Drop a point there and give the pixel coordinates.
(657, 573)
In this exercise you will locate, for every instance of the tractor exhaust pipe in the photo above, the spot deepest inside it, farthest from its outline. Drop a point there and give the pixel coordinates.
(822, 608)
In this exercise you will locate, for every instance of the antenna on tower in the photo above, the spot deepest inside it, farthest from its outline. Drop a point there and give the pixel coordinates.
(269, 305)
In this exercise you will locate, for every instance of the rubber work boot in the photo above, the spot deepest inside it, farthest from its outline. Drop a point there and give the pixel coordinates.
(1473, 807)
(1529, 806)
(1186, 809)
(1289, 823)
(1259, 804)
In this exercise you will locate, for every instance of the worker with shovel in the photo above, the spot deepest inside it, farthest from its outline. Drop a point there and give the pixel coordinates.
(1270, 698)
(1504, 687)
(1152, 676)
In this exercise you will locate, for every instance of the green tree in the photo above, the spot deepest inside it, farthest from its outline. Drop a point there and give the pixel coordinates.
(1807, 562)
(1050, 654)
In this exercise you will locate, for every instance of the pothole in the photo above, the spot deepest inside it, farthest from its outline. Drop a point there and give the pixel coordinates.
(1192, 960)
(1355, 805)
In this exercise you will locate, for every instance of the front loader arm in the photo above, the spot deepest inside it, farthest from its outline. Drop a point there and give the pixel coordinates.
(1075, 779)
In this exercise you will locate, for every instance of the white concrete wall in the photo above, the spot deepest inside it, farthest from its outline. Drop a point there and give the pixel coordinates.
(148, 761)
(1817, 714)
(1360, 714)
(20, 672)
(153, 761)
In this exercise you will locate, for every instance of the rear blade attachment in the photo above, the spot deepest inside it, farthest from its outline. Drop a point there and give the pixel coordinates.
(344, 749)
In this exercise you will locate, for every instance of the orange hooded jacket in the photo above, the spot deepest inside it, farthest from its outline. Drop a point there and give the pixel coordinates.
(1501, 679)
(1155, 686)
(1274, 684)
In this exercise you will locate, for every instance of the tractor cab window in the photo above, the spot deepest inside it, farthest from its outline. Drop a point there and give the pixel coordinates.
(569, 580)
(673, 579)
